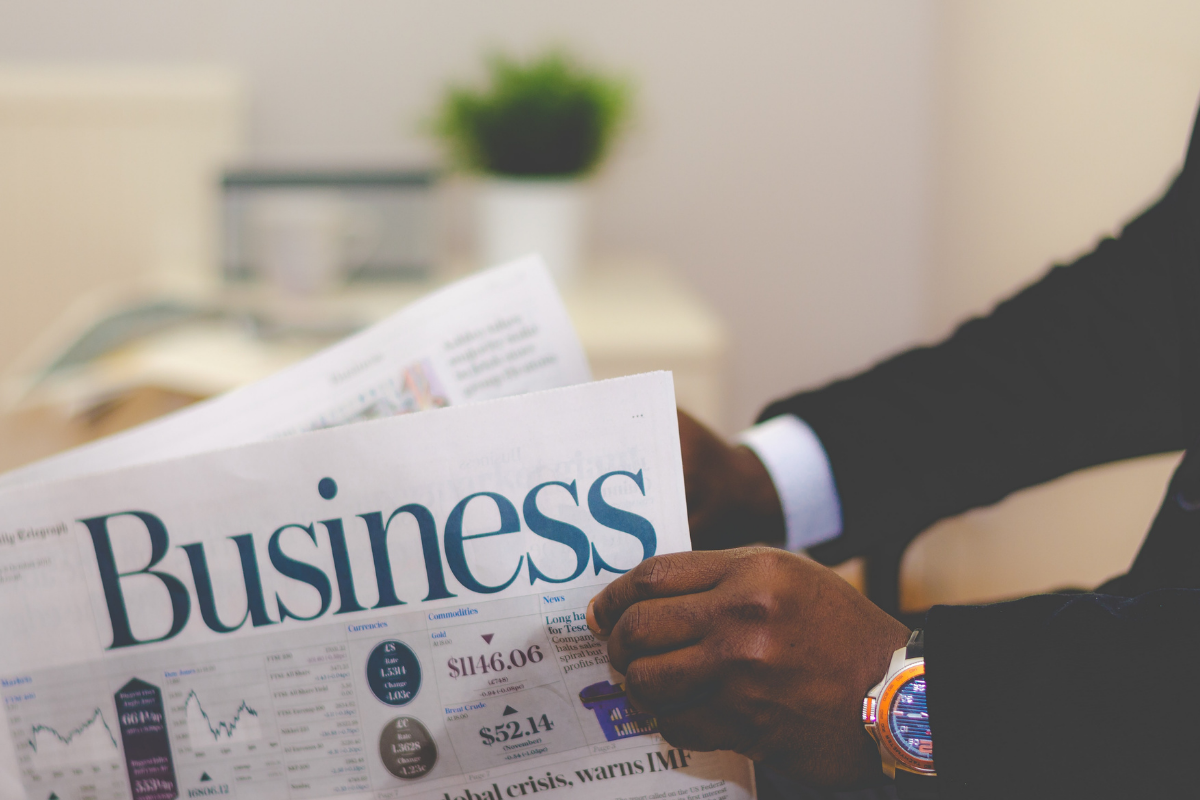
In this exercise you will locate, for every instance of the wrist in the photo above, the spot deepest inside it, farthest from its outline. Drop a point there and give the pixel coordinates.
(876, 663)
(758, 499)
(801, 480)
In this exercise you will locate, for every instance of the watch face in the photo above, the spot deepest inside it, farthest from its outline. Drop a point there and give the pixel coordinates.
(908, 720)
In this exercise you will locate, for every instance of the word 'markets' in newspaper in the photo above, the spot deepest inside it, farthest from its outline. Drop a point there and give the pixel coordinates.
(390, 609)
(499, 333)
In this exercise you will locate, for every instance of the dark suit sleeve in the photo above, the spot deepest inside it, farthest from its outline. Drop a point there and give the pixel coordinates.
(1063, 696)
(1089, 695)
(1080, 368)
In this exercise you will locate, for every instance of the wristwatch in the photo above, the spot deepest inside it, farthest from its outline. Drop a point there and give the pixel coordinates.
(896, 716)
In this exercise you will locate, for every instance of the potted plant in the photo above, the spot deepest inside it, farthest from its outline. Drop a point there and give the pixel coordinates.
(536, 130)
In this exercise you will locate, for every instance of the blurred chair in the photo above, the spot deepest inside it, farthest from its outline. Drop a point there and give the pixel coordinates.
(1074, 532)
(109, 180)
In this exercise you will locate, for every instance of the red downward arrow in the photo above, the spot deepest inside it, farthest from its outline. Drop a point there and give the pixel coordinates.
(487, 637)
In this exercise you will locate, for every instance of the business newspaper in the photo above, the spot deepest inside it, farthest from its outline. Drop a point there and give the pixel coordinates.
(382, 610)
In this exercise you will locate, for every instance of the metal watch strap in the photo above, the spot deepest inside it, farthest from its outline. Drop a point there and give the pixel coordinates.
(916, 644)
(909, 785)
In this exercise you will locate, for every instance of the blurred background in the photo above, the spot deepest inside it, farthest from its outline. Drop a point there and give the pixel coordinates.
(802, 188)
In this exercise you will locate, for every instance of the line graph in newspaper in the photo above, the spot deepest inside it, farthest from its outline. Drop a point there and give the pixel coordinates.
(382, 610)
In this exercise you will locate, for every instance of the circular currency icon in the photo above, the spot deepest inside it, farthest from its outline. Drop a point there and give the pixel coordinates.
(393, 673)
(407, 749)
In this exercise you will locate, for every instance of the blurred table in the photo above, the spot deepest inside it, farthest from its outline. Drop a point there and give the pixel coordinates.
(632, 315)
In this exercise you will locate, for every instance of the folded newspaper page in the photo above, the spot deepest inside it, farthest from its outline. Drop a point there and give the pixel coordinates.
(393, 609)
(501, 332)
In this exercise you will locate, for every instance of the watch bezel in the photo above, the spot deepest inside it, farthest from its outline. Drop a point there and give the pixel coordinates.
(883, 724)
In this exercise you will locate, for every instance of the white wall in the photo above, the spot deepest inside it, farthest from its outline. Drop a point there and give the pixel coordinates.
(106, 183)
(838, 178)
(1057, 121)
(779, 156)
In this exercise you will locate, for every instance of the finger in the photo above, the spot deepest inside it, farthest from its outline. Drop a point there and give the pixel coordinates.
(657, 626)
(711, 723)
(670, 682)
(696, 728)
(660, 576)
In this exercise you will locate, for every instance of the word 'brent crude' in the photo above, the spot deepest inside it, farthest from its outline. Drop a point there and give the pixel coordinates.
(377, 528)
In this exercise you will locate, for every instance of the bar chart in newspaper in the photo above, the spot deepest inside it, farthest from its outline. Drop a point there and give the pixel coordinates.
(408, 705)
(356, 667)
(372, 709)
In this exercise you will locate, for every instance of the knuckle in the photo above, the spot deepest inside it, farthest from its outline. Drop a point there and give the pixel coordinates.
(769, 560)
(756, 605)
(761, 651)
(753, 648)
(634, 625)
(652, 576)
(601, 605)
(618, 655)
(642, 679)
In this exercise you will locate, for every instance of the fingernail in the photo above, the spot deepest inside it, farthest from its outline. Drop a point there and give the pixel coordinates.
(593, 626)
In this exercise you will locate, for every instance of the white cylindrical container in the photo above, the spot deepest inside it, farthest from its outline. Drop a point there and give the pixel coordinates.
(305, 241)
(534, 215)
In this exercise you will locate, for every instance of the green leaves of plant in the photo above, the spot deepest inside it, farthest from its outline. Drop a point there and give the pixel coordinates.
(545, 118)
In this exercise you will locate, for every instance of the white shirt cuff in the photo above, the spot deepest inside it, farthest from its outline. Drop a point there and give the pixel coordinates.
(800, 470)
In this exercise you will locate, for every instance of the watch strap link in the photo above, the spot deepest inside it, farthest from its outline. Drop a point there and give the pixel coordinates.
(916, 644)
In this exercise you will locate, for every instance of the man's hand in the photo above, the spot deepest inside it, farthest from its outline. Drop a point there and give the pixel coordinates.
(731, 500)
(754, 650)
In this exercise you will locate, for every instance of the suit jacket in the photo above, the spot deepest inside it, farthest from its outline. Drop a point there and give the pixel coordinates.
(1085, 695)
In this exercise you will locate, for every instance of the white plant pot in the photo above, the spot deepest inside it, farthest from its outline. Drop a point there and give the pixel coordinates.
(305, 241)
(536, 215)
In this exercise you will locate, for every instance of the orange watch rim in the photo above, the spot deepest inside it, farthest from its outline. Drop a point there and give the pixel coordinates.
(883, 720)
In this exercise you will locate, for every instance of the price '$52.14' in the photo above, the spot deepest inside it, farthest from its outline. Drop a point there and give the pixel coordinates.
(507, 731)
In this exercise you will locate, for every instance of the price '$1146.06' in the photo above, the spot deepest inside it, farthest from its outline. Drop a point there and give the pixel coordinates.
(466, 666)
